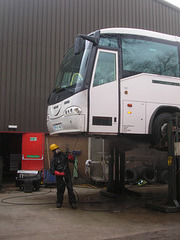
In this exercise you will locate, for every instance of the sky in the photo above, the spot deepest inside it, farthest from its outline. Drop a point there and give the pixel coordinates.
(174, 2)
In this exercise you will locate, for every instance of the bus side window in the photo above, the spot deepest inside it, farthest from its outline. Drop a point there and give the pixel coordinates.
(105, 68)
(150, 57)
(108, 42)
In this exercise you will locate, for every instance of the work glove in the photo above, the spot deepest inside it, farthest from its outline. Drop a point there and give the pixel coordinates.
(57, 173)
(71, 157)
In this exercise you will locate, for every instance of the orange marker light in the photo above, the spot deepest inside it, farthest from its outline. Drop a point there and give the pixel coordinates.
(129, 112)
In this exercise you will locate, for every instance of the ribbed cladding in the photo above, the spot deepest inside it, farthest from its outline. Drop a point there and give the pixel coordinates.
(34, 35)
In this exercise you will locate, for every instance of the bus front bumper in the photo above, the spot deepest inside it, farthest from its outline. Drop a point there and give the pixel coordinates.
(68, 124)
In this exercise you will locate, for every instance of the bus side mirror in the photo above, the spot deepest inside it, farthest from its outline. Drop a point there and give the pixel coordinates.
(80, 42)
(78, 45)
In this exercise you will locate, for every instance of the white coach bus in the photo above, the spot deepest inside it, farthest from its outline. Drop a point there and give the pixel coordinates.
(117, 81)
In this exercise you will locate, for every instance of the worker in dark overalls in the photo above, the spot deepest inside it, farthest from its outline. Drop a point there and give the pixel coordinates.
(60, 168)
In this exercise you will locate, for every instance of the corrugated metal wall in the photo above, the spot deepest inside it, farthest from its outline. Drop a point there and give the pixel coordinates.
(34, 34)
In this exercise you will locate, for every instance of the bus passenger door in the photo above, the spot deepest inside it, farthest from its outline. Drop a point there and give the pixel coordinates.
(103, 99)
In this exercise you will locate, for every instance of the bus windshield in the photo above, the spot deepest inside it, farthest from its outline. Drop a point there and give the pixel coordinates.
(72, 70)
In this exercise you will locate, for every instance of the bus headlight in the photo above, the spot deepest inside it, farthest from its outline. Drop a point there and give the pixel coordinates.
(72, 111)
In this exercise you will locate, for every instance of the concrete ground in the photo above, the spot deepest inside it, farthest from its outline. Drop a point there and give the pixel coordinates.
(35, 216)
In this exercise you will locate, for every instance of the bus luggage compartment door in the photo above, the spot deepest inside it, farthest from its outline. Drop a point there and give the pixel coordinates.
(133, 117)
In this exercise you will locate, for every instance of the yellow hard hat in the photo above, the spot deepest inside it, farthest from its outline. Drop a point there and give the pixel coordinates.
(53, 147)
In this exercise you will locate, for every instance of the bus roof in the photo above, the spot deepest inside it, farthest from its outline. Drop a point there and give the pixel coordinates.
(140, 32)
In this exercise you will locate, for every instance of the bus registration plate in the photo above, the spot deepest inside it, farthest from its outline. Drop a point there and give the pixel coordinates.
(57, 127)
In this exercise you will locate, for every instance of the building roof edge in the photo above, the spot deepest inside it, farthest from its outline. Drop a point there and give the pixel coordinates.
(169, 4)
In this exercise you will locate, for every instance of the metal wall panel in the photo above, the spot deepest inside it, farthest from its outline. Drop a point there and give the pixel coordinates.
(34, 35)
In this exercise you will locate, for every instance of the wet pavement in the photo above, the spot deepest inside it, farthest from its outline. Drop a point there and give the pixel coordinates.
(98, 217)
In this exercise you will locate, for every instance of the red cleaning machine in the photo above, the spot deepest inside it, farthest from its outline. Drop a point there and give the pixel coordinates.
(32, 164)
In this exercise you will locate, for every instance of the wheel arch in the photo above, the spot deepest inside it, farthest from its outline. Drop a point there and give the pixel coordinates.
(158, 111)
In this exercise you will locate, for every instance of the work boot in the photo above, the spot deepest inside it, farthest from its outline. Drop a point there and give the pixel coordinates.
(58, 205)
(73, 205)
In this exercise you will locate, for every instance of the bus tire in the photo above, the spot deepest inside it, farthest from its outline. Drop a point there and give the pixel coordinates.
(130, 175)
(148, 174)
(159, 130)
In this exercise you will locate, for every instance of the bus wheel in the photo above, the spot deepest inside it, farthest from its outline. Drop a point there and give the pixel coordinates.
(159, 130)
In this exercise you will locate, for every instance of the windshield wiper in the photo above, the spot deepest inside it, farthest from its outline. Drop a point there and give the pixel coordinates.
(71, 90)
(62, 89)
